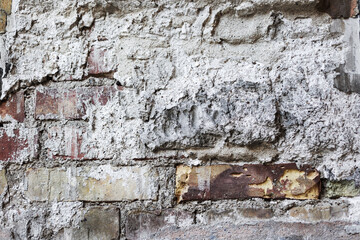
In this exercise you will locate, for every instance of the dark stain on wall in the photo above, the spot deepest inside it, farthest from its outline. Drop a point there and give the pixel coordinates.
(338, 8)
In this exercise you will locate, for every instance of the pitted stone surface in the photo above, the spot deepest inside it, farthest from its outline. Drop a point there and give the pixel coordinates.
(102, 102)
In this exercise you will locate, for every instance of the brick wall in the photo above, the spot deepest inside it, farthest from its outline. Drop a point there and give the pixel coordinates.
(179, 119)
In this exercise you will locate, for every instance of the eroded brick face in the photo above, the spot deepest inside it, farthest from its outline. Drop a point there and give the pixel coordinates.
(18, 144)
(204, 82)
(55, 104)
(75, 143)
(338, 8)
(241, 182)
(3, 18)
(5, 9)
(260, 230)
(142, 225)
(103, 183)
(101, 61)
(13, 108)
(97, 223)
(3, 182)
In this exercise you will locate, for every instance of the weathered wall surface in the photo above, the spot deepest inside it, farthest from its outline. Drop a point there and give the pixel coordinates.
(226, 119)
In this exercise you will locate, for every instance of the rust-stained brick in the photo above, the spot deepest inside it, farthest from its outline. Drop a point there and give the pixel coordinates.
(13, 108)
(338, 8)
(251, 180)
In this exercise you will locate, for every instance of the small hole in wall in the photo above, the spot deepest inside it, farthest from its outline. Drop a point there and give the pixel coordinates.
(1, 125)
(118, 84)
(49, 78)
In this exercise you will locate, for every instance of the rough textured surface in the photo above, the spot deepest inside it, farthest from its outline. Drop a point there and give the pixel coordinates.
(102, 183)
(5, 9)
(339, 8)
(229, 181)
(3, 182)
(97, 223)
(102, 101)
(264, 230)
(18, 145)
(13, 109)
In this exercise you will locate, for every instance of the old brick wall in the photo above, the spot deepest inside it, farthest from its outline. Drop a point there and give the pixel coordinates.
(164, 119)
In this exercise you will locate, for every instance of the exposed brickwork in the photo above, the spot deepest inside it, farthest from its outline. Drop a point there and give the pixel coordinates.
(3, 182)
(70, 104)
(325, 212)
(3, 18)
(97, 223)
(5, 9)
(5, 5)
(229, 181)
(18, 144)
(144, 225)
(311, 214)
(104, 183)
(179, 119)
(257, 213)
(344, 188)
(260, 230)
(235, 215)
(75, 143)
(13, 108)
(339, 8)
(101, 60)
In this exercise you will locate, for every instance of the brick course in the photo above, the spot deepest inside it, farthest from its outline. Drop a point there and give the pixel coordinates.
(18, 144)
(56, 104)
(93, 184)
(3, 182)
(230, 181)
(97, 223)
(179, 119)
(13, 108)
(259, 230)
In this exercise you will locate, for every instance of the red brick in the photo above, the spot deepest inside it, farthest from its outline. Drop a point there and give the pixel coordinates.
(338, 8)
(70, 104)
(13, 108)
(18, 145)
(100, 61)
(276, 181)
